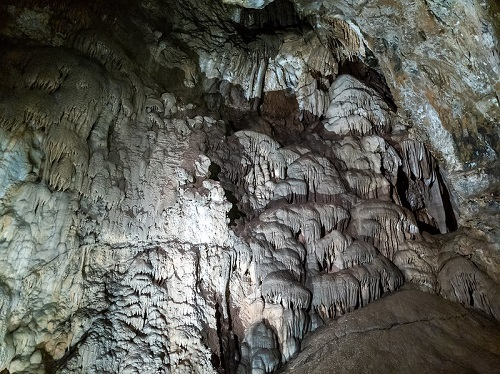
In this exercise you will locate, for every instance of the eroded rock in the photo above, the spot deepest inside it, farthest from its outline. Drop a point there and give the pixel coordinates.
(195, 189)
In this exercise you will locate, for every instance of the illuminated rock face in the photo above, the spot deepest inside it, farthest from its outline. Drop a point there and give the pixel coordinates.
(177, 200)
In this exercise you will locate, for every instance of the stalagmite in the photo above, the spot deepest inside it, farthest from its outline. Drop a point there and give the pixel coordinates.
(260, 352)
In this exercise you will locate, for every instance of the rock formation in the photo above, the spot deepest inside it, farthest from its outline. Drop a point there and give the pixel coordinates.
(398, 334)
(195, 188)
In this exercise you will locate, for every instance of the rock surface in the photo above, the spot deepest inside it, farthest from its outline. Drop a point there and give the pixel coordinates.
(404, 332)
(193, 188)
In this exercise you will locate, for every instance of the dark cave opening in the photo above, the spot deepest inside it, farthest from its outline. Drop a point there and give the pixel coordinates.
(403, 187)
(279, 15)
(234, 213)
(368, 73)
(451, 219)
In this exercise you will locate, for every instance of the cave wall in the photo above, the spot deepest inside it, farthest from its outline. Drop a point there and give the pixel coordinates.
(193, 187)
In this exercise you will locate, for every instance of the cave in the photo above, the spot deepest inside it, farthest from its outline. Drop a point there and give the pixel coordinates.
(249, 186)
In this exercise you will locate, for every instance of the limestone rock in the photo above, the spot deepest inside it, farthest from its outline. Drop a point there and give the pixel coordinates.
(355, 109)
(397, 333)
(194, 188)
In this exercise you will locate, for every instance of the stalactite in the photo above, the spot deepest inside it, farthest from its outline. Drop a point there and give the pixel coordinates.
(281, 288)
(196, 191)
(356, 109)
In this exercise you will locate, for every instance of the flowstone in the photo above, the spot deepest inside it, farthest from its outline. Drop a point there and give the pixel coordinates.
(198, 188)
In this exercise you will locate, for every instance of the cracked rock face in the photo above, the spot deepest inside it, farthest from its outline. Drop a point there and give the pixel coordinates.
(197, 188)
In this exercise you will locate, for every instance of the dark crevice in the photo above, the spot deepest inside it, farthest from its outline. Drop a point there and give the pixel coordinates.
(234, 213)
(401, 188)
(451, 220)
(370, 76)
(214, 170)
(53, 366)
(407, 190)
(216, 359)
(279, 15)
(426, 227)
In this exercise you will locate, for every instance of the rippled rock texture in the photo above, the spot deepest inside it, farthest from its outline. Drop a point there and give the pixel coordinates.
(193, 188)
